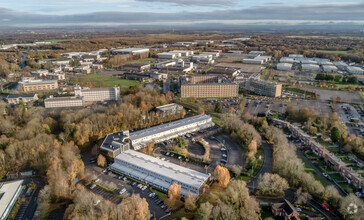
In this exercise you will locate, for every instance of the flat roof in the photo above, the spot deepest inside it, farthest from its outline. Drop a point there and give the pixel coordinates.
(131, 49)
(57, 99)
(7, 191)
(167, 107)
(169, 170)
(37, 82)
(21, 96)
(167, 127)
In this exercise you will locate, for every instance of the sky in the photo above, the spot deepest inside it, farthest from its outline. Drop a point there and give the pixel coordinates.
(177, 12)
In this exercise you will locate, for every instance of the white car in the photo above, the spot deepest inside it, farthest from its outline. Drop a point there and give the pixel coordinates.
(224, 155)
(122, 191)
(325, 175)
(144, 188)
(93, 186)
(298, 210)
(222, 149)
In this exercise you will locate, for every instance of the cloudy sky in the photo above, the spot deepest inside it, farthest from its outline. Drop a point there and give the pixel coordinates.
(177, 12)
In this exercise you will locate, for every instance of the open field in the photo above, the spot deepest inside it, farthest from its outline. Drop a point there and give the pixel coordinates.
(63, 40)
(335, 51)
(107, 81)
(326, 94)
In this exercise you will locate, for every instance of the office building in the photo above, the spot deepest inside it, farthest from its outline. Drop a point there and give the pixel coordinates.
(9, 194)
(117, 142)
(170, 109)
(98, 94)
(24, 98)
(29, 84)
(284, 66)
(204, 86)
(130, 51)
(253, 83)
(64, 102)
(158, 173)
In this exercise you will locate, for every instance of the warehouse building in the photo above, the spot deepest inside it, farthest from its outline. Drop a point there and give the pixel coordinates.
(253, 61)
(354, 70)
(29, 84)
(98, 94)
(169, 55)
(286, 60)
(158, 173)
(64, 102)
(204, 86)
(9, 194)
(340, 65)
(184, 53)
(310, 67)
(329, 68)
(130, 51)
(117, 142)
(170, 109)
(284, 66)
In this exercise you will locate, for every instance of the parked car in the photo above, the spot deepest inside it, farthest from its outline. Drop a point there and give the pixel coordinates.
(325, 175)
(144, 188)
(151, 195)
(167, 154)
(122, 191)
(224, 155)
(325, 207)
(139, 185)
(168, 210)
(125, 178)
(134, 183)
(223, 149)
(93, 186)
(163, 206)
(298, 210)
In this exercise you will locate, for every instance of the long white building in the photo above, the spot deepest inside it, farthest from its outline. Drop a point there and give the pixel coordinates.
(98, 94)
(64, 102)
(9, 194)
(354, 70)
(284, 66)
(158, 173)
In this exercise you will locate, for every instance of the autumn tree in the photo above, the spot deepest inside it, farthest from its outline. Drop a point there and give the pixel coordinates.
(148, 148)
(200, 111)
(190, 201)
(174, 195)
(222, 175)
(135, 207)
(271, 185)
(101, 160)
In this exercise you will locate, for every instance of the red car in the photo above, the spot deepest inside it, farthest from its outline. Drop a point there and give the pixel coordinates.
(325, 207)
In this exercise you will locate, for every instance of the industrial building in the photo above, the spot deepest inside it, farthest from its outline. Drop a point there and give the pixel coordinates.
(253, 61)
(169, 109)
(64, 102)
(130, 51)
(340, 65)
(286, 60)
(169, 55)
(140, 67)
(98, 94)
(29, 84)
(354, 70)
(117, 142)
(257, 59)
(158, 173)
(204, 86)
(310, 67)
(184, 53)
(24, 98)
(329, 68)
(284, 66)
(9, 194)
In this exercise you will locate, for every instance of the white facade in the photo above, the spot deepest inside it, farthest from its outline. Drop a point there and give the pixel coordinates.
(63, 102)
(184, 53)
(9, 194)
(98, 94)
(170, 130)
(131, 51)
(284, 66)
(169, 55)
(329, 68)
(158, 173)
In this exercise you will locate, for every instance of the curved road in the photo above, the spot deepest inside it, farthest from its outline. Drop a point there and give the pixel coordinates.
(266, 166)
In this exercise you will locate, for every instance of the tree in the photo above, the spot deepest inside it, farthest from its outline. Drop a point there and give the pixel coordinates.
(271, 185)
(190, 201)
(148, 148)
(101, 160)
(218, 107)
(174, 194)
(200, 111)
(335, 134)
(204, 211)
(236, 169)
(313, 130)
(135, 207)
(222, 175)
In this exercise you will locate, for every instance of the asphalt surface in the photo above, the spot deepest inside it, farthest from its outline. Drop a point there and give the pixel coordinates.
(318, 207)
(266, 166)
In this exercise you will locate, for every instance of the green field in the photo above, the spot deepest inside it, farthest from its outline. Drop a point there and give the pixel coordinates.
(361, 95)
(336, 51)
(107, 81)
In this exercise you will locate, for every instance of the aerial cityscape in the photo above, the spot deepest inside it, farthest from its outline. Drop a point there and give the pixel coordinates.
(182, 109)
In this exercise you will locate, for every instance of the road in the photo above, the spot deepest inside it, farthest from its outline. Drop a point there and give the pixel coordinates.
(318, 207)
(266, 166)
(318, 172)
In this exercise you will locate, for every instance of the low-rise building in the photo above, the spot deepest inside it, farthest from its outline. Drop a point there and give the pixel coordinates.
(9, 194)
(184, 53)
(329, 68)
(136, 67)
(286, 60)
(98, 94)
(158, 173)
(253, 61)
(203, 86)
(310, 67)
(354, 70)
(97, 66)
(29, 84)
(130, 51)
(230, 72)
(169, 55)
(64, 102)
(285, 210)
(24, 98)
(56, 76)
(40, 73)
(169, 109)
(340, 65)
(284, 66)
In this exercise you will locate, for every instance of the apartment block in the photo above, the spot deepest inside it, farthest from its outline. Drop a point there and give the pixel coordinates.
(98, 94)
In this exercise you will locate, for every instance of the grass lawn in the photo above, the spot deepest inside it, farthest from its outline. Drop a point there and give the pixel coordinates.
(266, 212)
(309, 169)
(361, 95)
(161, 196)
(182, 213)
(107, 81)
(63, 40)
(14, 210)
(335, 51)
(347, 187)
(336, 177)
(362, 174)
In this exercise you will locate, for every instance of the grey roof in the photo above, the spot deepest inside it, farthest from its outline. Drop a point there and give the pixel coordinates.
(168, 107)
(37, 82)
(21, 96)
(7, 192)
(166, 127)
(166, 169)
(68, 98)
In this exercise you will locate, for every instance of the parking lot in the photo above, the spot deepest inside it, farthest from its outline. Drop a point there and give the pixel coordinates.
(353, 118)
